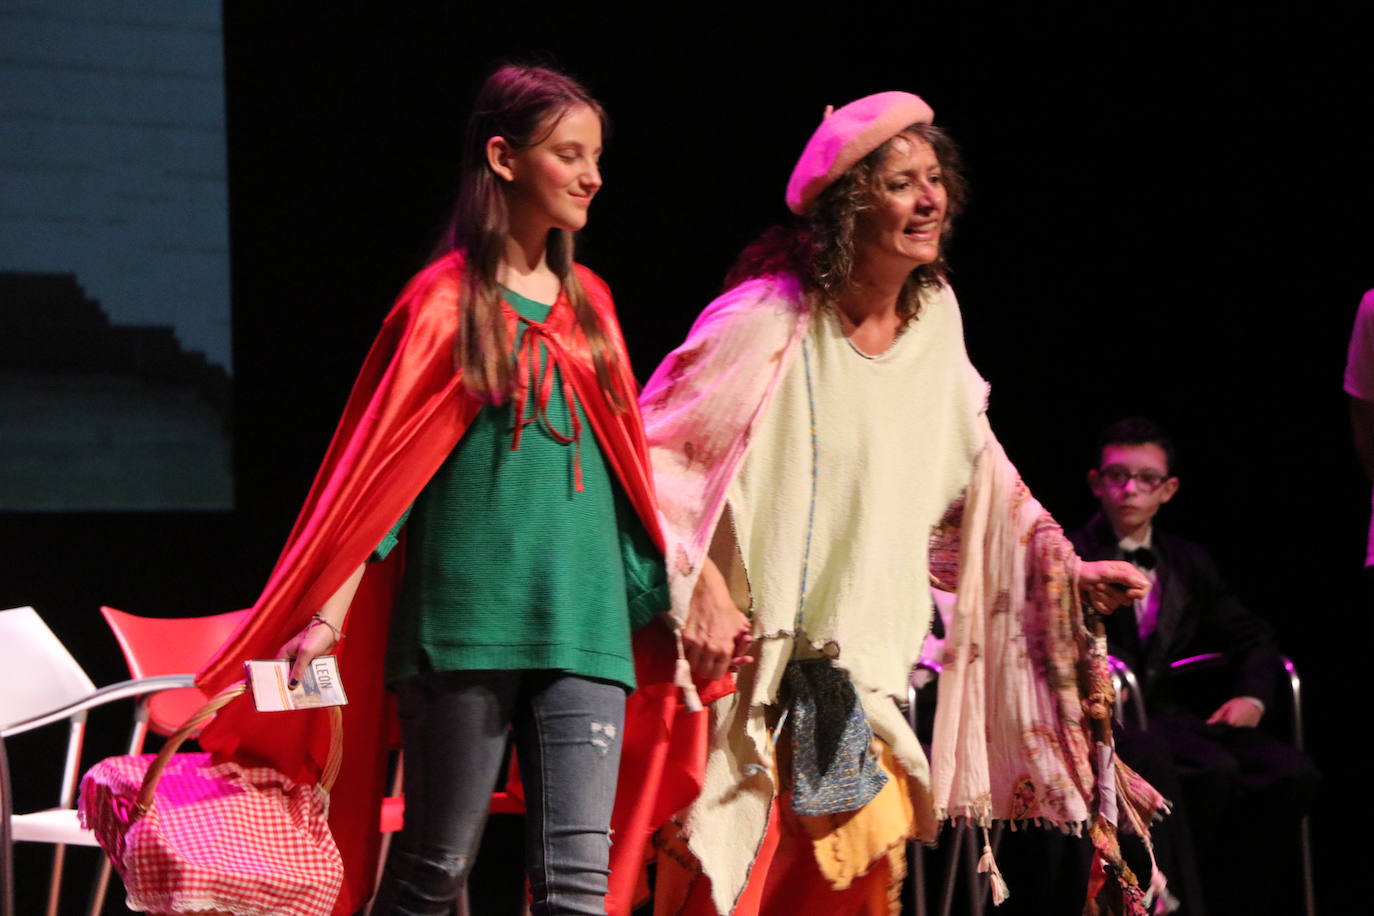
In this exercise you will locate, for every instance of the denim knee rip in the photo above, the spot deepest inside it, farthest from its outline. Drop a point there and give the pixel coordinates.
(603, 733)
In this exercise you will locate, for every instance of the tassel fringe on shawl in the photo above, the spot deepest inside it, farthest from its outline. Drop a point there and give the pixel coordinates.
(1023, 726)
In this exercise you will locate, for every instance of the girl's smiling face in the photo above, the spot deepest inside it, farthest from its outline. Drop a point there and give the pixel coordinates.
(551, 184)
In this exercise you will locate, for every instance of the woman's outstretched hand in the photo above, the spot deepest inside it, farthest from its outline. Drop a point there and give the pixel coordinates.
(1110, 584)
(716, 637)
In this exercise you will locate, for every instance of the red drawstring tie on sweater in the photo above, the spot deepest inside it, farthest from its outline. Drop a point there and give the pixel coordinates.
(537, 373)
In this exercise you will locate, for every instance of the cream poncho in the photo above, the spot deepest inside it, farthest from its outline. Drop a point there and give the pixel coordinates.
(829, 542)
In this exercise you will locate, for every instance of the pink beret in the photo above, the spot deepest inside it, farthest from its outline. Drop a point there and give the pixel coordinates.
(847, 135)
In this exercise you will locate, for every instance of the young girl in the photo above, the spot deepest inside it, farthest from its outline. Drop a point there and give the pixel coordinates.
(491, 465)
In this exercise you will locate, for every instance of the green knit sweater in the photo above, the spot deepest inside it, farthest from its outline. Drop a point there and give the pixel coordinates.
(508, 566)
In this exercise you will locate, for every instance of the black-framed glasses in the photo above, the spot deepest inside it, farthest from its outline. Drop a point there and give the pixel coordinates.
(1146, 481)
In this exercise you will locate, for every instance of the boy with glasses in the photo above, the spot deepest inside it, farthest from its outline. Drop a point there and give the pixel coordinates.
(1189, 609)
(1240, 784)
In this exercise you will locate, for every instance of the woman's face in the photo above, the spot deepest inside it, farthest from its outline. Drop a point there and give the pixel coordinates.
(551, 185)
(907, 213)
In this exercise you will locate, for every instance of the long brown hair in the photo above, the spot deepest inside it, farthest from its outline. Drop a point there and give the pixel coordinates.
(818, 247)
(521, 104)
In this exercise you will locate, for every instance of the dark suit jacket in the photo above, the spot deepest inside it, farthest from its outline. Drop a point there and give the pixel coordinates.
(1197, 613)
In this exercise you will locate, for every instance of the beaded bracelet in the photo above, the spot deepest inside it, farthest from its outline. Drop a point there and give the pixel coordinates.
(338, 634)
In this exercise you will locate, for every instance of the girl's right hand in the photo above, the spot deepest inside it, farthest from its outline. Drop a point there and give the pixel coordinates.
(716, 637)
(314, 639)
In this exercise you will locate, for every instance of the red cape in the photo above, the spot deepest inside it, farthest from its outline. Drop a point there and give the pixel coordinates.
(406, 413)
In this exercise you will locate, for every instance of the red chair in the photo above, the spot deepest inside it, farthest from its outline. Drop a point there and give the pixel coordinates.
(154, 646)
(510, 800)
(171, 645)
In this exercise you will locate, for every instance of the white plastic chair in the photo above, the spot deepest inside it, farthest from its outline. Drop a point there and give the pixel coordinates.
(43, 684)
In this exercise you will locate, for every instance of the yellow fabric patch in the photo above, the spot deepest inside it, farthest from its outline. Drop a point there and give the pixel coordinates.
(848, 845)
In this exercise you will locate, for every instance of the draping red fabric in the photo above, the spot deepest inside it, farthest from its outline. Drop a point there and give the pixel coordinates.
(784, 879)
(406, 413)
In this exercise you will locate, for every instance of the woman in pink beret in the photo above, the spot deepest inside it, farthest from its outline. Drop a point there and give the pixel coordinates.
(822, 455)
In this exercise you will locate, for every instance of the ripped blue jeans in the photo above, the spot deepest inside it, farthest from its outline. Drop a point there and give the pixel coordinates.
(567, 737)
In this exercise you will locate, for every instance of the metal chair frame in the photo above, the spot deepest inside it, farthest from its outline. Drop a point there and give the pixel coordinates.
(965, 840)
(1126, 687)
(1127, 694)
(76, 715)
(1211, 660)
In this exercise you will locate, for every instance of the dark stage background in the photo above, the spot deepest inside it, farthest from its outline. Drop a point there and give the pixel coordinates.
(1170, 216)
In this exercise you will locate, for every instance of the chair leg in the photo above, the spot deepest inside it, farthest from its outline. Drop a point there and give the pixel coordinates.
(1309, 892)
(59, 853)
(101, 886)
(975, 886)
(384, 848)
(952, 869)
(6, 841)
(916, 855)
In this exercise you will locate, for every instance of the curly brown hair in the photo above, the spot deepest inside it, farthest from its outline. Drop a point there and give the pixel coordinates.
(818, 246)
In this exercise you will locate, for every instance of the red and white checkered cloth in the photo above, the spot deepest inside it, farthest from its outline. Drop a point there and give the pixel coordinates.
(240, 840)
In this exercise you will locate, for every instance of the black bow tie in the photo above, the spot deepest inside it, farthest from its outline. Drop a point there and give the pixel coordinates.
(1143, 557)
